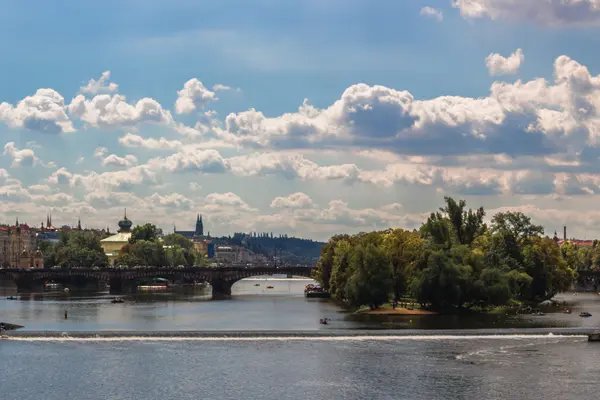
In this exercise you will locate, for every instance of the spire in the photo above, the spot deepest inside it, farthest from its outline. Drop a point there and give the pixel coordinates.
(17, 223)
(79, 223)
(174, 229)
(125, 215)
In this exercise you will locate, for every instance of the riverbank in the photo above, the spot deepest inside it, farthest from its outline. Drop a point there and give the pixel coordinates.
(388, 309)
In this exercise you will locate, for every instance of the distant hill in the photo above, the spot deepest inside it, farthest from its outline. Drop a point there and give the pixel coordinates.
(288, 249)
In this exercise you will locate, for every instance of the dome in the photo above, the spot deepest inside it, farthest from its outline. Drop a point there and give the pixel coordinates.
(125, 224)
(38, 253)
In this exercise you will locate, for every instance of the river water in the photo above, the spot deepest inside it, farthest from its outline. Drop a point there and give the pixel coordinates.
(285, 353)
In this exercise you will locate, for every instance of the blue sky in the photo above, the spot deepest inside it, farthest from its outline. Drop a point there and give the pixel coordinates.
(401, 109)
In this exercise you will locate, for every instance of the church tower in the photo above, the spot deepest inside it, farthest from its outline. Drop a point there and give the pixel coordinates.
(199, 226)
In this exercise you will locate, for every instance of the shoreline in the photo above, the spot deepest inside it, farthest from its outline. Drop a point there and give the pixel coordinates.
(397, 311)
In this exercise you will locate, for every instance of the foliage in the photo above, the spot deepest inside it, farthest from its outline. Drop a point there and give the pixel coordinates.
(74, 249)
(453, 261)
(145, 248)
(146, 232)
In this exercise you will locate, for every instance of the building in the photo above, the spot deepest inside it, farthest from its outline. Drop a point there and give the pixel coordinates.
(197, 234)
(112, 245)
(574, 242)
(18, 247)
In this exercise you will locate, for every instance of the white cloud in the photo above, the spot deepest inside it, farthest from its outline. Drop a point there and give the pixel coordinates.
(114, 160)
(431, 12)
(500, 65)
(546, 12)
(44, 112)
(194, 96)
(100, 152)
(294, 200)
(21, 158)
(102, 85)
(228, 199)
(136, 141)
(106, 110)
(219, 87)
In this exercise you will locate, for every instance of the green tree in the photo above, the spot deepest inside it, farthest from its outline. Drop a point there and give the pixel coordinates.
(146, 232)
(370, 282)
(405, 249)
(516, 225)
(340, 270)
(547, 268)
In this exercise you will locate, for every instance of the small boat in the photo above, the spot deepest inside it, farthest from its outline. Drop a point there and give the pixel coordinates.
(323, 321)
(566, 311)
(12, 298)
(585, 314)
(269, 287)
(257, 284)
(117, 300)
(538, 313)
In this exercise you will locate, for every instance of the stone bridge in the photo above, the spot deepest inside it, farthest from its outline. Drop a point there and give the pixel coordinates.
(121, 281)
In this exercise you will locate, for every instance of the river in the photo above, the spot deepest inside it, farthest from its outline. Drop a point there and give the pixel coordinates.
(128, 351)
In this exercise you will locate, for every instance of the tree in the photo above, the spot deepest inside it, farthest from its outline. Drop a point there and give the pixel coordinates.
(548, 270)
(175, 239)
(515, 224)
(146, 232)
(325, 264)
(452, 224)
(75, 249)
(340, 269)
(404, 249)
(370, 282)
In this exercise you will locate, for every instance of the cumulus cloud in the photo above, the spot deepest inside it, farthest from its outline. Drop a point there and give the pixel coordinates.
(534, 118)
(548, 12)
(102, 85)
(194, 96)
(294, 200)
(114, 160)
(431, 12)
(136, 141)
(500, 65)
(45, 111)
(20, 158)
(105, 110)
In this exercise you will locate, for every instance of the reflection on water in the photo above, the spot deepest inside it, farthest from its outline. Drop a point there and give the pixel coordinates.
(251, 308)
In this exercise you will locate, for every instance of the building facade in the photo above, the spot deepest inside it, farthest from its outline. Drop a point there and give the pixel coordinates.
(18, 247)
(112, 245)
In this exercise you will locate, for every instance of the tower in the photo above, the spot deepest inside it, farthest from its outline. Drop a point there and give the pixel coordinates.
(79, 224)
(199, 226)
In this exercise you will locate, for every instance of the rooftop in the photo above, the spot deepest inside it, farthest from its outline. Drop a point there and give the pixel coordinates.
(119, 237)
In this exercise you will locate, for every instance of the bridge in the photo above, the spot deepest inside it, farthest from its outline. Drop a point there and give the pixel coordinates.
(122, 281)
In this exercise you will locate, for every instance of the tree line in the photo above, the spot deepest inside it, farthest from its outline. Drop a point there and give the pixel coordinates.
(145, 247)
(455, 260)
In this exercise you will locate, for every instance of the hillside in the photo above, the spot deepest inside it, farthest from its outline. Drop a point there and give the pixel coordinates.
(287, 249)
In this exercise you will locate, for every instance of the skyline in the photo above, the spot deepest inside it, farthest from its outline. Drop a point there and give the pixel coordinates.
(303, 118)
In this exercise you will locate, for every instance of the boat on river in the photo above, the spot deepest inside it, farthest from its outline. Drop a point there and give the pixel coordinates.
(585, 314)
(117, 300)
(12, 298)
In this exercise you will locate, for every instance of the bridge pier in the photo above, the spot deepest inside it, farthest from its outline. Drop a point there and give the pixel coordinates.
(221, 289)
(121, 286)
(29, 285)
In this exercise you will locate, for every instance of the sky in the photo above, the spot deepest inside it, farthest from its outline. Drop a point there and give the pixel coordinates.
(307, 118)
